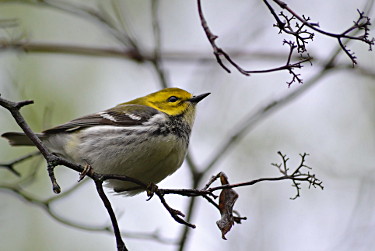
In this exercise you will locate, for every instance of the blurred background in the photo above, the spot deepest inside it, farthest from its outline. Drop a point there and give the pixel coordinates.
(331, 117)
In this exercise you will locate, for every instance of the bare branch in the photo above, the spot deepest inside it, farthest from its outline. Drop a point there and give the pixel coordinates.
(303, 36)
(176, 214)
(10, 165)
(31, 47)
(108, 206)
(298, 175)
(175, 56)
(53, 161)
(289, 66)
(219, 52)
(47, 206)
(97, 17)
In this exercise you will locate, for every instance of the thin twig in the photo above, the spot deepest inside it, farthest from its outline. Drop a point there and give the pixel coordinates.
(47, 206)
(41, 47)
(120, 243)
(302, 35)
(53, 160)
(219, 52)
(10, 165)
(176, 214)
(91, 15)
(14, 109)
(173, 56)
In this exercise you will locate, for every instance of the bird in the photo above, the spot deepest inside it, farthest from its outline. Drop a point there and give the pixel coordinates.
(146, 138)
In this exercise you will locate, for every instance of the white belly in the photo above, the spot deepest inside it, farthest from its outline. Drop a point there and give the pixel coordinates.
(149, 161)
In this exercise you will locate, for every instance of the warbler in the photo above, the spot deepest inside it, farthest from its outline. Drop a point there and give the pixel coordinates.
(145, 138)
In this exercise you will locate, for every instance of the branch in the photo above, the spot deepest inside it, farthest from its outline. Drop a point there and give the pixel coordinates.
(10, 165)
(298, 175)
(53, 160)
(33, 47)
(294, 25)
(219, 52)
(175, 56)
(99, 17)
(47, 206)
(120, 243)
(176, 214)
(288, 65)
(302, 36)
(228, 196)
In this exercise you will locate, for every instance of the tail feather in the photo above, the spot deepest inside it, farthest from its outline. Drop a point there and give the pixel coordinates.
(18, 139)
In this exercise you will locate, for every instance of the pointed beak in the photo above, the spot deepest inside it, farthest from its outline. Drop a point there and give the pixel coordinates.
(196, 99)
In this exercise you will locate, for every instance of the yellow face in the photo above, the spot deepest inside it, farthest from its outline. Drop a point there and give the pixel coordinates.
(172, 101)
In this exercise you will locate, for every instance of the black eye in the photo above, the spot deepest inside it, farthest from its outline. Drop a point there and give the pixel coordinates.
(172, 99)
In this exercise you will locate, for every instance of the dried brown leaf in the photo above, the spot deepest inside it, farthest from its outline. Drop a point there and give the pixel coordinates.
(227, 199)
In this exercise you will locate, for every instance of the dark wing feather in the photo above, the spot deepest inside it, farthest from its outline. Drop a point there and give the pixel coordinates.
(121, 115)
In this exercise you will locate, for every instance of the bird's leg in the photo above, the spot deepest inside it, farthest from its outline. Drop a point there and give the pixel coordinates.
(151, 189)
(87, 169)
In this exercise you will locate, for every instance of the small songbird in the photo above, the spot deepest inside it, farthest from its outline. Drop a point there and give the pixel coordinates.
(146, 138)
